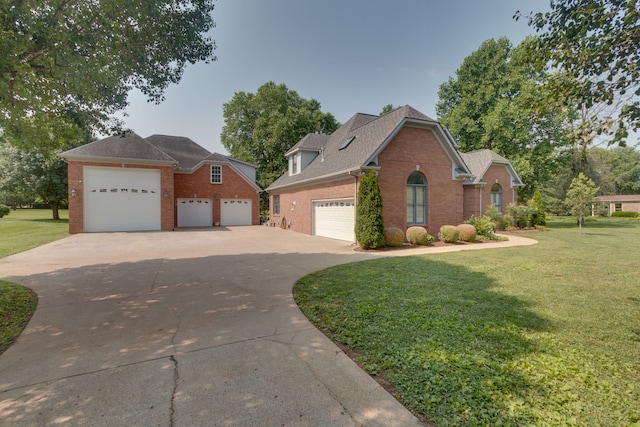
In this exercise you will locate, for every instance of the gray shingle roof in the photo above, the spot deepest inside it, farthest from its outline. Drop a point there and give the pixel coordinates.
(184, 150)
(127, 147)
(370, 135)
(479, 162)
(619, 198)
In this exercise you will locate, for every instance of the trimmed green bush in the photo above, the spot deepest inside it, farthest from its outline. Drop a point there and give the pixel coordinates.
(620, 214)
(419, 236)
(369, 222)
(449, 233)
(485, 226)
(4, 210)
(537, 212)
(393, 237)
(467, 232)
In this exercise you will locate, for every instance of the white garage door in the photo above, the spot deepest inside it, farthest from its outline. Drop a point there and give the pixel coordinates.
(334, 219)
(195, 212)
(235, 212)
(121, 199)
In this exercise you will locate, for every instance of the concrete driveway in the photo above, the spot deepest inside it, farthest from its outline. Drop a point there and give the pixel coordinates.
(186, 328)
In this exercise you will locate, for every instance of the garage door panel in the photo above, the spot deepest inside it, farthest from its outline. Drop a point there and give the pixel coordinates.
(334, 219)
(121, 199)
(235, 212)
(195, 212)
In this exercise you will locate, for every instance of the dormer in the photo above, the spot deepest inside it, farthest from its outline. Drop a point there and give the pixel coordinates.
(305, 152)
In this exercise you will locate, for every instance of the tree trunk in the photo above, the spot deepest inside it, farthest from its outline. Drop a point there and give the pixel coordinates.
(54, 210)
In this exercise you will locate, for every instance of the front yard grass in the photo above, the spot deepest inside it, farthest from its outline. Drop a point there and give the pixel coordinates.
(25, 229)
(541, 335)
(17, 304)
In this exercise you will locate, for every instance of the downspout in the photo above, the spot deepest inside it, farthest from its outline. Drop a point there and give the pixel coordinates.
(480, 189)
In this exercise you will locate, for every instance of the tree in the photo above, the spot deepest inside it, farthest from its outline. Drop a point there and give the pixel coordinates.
(582, 192)
(387, 109)
(496, 102)
(261, 127)
(369, 221)
(595, 45)
(34, 174)
(67, 66)
(616, 170)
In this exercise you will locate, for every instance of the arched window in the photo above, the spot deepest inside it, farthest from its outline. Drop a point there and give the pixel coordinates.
(496, 196)
(416, 199)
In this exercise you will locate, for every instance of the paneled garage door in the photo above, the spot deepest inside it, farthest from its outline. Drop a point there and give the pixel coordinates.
(334, 219)
(121, 199)
(195, 212)
(235, 212)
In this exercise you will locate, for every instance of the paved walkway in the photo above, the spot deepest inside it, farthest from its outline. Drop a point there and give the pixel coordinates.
(187, 328)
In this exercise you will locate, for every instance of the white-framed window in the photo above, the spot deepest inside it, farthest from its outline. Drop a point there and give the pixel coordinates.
(294, 164)
(416, 199)
(496, 196)
(276, 204)
(216, 174)
(618, 207)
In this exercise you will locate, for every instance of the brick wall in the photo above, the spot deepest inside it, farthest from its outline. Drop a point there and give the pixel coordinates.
(198, 184)
(500, 175)
(300, 215)
(76, 204)
(413, 150)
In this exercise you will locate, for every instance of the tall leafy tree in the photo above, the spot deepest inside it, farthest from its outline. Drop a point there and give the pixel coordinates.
(495, 101)
(67, 66)
(595, 46)
(261, 127)
(582, 192)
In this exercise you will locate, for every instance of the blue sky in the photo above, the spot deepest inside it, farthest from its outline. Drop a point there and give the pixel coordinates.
(353, 56)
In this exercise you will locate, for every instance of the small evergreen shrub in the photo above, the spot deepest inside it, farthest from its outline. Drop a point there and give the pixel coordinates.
(485, 227)
(393, 237)
(4, 210)
(625, 214)
(537, 212)
(467, 232)
(369, 221)
(449, 234)
(419, 236)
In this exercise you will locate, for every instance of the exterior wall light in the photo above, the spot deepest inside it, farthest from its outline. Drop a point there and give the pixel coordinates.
(74, 192)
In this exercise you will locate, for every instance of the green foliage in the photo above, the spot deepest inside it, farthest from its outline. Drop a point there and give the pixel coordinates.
(449, 234)
(536, 210)
(17, 304)
(419, 236)
(387, 109)
(485, 226)
(393, 237)
(619, 214)
(488, 339)
(467, 232)
(4, 210)
(581, 194)
(68, 66)
(592, 43)
(261, 127)
(495, 102)
(369, 222)
(521, 215)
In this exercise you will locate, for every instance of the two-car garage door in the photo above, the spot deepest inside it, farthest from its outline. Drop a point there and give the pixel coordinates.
(334, 219)
(121, 199)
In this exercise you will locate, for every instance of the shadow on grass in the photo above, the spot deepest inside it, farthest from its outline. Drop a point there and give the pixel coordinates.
(48, 220)
(443, 335)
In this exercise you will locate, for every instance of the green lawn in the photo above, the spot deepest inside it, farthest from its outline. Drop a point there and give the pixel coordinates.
(17, 304)
(539, 335)
(24, 229)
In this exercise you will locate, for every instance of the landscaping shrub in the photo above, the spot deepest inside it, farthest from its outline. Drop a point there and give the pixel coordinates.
(620, 214)
(4, 210)
(449, 234)
(467, 232)
(484, 225)
(393, 237)
(419, 236)
(369, 221)
(497, 218)
(536, 210)
(521, 215)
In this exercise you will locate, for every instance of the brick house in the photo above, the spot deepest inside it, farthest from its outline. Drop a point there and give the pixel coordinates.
(619, 203)
(130, 183)
(423, 178)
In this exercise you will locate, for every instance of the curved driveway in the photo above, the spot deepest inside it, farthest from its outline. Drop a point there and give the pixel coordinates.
(186, 328)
